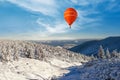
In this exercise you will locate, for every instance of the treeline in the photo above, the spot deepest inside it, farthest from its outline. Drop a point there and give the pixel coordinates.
(106, 54)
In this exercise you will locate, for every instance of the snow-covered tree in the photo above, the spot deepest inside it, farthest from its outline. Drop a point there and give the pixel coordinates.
(101, 53)
(114, 53)
(92, 57)
(32, 51)
(15, 55)
(108, 53)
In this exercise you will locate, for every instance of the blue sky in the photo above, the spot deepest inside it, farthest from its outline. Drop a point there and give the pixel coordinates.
(43, 19)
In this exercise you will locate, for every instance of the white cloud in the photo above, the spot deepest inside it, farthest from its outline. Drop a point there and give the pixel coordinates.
(87, 2)
(80, 2)
(52, 29)
(113, 5)
(46, 7)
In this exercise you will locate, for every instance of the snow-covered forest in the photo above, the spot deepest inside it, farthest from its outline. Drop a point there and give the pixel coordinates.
(13, 50)
(101, 69)
(106, 66)
(24, 60)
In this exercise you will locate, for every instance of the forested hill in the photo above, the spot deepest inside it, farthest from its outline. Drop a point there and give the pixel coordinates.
(91, 47)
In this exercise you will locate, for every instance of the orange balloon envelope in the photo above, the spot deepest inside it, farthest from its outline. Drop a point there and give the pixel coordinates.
(70, 15)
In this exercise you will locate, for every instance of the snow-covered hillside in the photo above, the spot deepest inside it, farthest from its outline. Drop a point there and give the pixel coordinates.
(13, 50)
(32, 69)
(22, 60)
(102, 69)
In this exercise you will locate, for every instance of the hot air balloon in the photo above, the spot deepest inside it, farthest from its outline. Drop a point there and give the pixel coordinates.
(70, 16)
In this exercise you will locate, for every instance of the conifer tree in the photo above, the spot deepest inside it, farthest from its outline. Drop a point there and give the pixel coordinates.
(108, 53)
(101, 53)
(114, 53)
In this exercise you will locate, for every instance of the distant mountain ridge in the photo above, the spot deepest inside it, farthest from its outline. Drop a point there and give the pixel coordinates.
(91, 47)
(62, 43)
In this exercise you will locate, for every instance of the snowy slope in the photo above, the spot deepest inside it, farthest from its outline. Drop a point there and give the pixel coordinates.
(107, 69)
(31, 69)
(22, 60)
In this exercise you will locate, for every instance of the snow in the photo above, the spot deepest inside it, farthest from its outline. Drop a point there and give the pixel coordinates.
(22, 60)
(106, 69)
(63, 64)
(31, 69)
